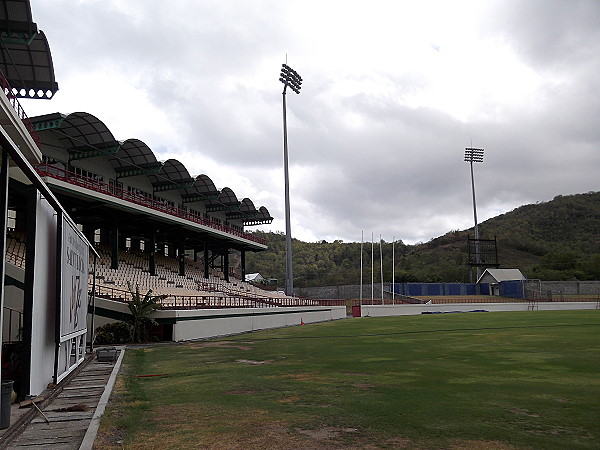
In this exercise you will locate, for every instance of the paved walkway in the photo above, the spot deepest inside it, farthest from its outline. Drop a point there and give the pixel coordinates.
(69, 420)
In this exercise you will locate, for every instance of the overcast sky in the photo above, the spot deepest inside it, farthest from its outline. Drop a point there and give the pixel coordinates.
(393, 92)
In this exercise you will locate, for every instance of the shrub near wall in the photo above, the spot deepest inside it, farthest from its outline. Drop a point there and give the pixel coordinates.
(113, 333)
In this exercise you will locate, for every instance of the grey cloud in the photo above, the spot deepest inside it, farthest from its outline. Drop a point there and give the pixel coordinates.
(397, 169)
(551, 33)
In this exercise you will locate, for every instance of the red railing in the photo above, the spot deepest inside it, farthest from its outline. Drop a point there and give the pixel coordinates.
(12, 98)
(389, 301)
(216, 301)
(114, 191)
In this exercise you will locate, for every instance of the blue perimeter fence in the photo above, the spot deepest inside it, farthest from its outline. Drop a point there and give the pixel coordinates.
(512, 289)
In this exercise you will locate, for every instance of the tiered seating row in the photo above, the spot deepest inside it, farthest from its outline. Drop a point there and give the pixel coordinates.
(15, 248)
(189, 291)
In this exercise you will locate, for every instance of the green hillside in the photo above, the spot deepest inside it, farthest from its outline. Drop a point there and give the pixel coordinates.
(555, 240)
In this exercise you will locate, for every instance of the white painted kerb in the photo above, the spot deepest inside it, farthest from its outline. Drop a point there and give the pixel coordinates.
(92, 431)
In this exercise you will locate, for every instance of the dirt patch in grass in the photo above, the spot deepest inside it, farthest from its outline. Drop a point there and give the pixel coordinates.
(363, 386)
(213, 344)
(348, 438)
(211, 429)
(240, 392)
(522, 412)
(398, 442)
(326, 433)
(254, 363)
(480, 445)
(306, 377)
(109, 438)
(540, 430)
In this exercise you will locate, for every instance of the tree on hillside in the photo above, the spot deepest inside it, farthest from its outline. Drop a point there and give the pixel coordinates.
(553, 240)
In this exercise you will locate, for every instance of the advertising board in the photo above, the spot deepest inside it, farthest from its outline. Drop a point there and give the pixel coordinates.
(74, 268)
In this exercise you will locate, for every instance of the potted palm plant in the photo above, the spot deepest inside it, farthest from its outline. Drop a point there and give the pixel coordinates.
(141, 306)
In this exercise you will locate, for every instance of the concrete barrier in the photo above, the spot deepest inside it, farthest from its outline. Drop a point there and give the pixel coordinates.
(207, 323)
(407, 310)
(190, 324)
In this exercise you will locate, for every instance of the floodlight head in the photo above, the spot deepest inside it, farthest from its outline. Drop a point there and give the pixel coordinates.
(473, 155)
(289, 77)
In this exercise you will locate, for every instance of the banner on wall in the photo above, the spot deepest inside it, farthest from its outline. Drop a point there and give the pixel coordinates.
(74, 288)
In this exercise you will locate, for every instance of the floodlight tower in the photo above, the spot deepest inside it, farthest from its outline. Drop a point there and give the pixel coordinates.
(289, 77)
(475, 155)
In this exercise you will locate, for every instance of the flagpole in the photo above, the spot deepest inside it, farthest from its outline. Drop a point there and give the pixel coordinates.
(393, 270)
(372, 271)
(381, 266)
(362, 237)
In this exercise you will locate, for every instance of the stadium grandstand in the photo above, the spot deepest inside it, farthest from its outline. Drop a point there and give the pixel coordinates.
(152, 221)
(87, 217)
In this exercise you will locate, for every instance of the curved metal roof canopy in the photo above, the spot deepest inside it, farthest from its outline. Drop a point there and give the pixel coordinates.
(226, 200)
(85, 136)
(28, 68)
(25, 57)
(246, 209)
(172, 175)
(202, 189)
(205, 186)
(134, 158)
(262, 217)
(15, 16)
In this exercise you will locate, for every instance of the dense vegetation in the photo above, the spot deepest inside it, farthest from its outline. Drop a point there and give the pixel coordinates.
(555, 240)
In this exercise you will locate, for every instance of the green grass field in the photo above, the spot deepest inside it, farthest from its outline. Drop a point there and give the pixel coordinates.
(473, 380)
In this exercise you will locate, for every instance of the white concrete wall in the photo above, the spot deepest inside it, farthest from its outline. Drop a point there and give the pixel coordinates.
(43, 338)
(220, 322)
(207, 323)
(407, 310)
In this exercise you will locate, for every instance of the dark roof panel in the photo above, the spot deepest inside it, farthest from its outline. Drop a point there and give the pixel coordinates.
(227, 197)
(247, 207)
(263, 213)
(204, 185)
(15, 16)
(172, 175)
(175, 171)
(28, 68)
(81, 132)
(134, 155)
(261, 217)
